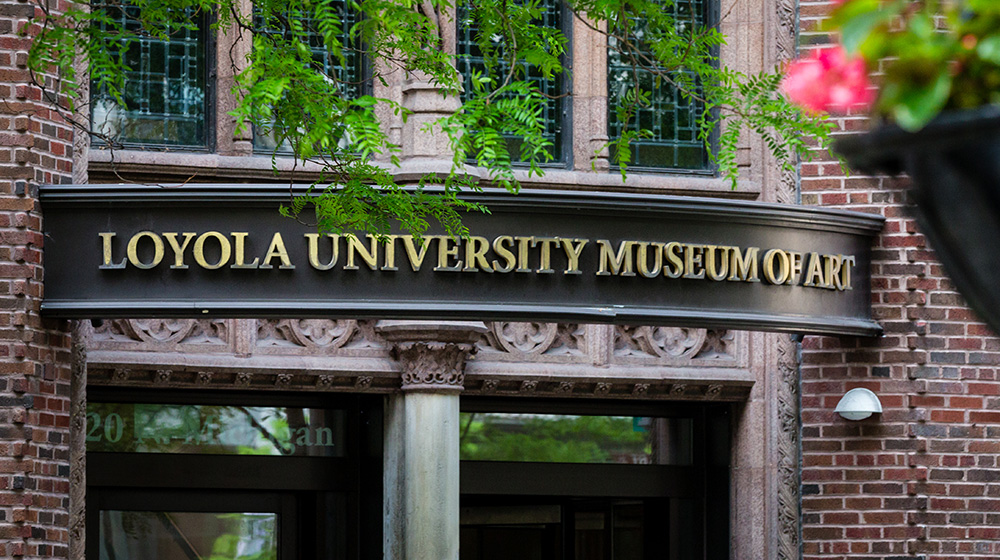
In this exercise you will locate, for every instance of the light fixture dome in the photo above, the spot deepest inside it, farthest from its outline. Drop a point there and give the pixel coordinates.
(858, 404)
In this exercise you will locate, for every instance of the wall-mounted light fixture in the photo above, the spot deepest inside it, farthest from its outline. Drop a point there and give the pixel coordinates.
(858, 404)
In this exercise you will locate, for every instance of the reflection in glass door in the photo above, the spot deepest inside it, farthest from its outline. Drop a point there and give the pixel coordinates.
(160, 535)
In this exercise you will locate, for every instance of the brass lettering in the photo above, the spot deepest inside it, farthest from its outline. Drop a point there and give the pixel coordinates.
(643, 261)
(675, 266)
(239, 251)
(277, 251)
(545, 254)
(224, 250)
(446, 251)
(133, 250)
(106, 237)
(475, 255)
(814, 274)
(784, 266)
(573, 254)
(178, 249)
(389, 262)
(712, 265)
(693, 267)
(847, 261)
(415, 257)
(620, 263)
(831, 272)
(314, 251)
(522, 253)
(796, 266)
(369, 254)
(504, 252)
(743, 267)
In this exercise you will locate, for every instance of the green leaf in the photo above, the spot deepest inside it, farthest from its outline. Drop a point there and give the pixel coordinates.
(918, 105)
(989, 49)
(857, 29)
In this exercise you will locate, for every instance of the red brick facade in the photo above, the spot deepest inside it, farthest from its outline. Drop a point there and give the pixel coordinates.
(35, 148)
(922, 480)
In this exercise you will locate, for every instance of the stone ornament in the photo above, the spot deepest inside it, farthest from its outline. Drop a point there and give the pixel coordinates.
(434, 366)
(318, 333)
(661, 342)
(162, 332)
(533, 339)
(324, 381)
(521, 338)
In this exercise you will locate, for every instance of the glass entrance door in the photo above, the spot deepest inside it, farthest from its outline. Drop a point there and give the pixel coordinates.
(594, 481)
(232, 476)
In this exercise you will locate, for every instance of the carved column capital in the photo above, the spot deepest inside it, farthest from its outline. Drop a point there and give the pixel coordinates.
(432, 355)
(432, 366)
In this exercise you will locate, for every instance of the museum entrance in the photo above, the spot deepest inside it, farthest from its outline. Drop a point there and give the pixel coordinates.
(176, 475)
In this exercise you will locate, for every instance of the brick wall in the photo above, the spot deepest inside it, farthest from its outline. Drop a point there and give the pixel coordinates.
(35, 148)
(922, 480)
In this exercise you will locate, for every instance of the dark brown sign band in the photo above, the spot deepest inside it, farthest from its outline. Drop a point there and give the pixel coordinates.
(223, 250)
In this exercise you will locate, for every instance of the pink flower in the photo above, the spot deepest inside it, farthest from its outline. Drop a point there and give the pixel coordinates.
(827, 81)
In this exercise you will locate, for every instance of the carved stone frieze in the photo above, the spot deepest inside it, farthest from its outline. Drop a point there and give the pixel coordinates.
(160, 333)
(321, 336)
(438, 366)
(661, 342)
(525, 358)
(673, 344)
(308, 333)
(532, 339)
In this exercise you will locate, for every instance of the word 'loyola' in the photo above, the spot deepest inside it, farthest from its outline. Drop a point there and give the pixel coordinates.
(503, 254)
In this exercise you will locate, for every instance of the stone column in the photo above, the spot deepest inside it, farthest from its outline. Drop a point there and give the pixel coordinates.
(421, 439)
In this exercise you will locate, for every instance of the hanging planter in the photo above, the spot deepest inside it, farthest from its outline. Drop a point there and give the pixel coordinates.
(954, 163)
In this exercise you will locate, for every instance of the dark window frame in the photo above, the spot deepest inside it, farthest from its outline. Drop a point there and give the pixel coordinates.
(207, 19)
(712, 19)
(364, 86)
(565, 143)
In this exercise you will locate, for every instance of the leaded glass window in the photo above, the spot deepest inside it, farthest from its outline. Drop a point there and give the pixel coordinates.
(165, 85)
(470, 57)
(670, 117)
(350, 75)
